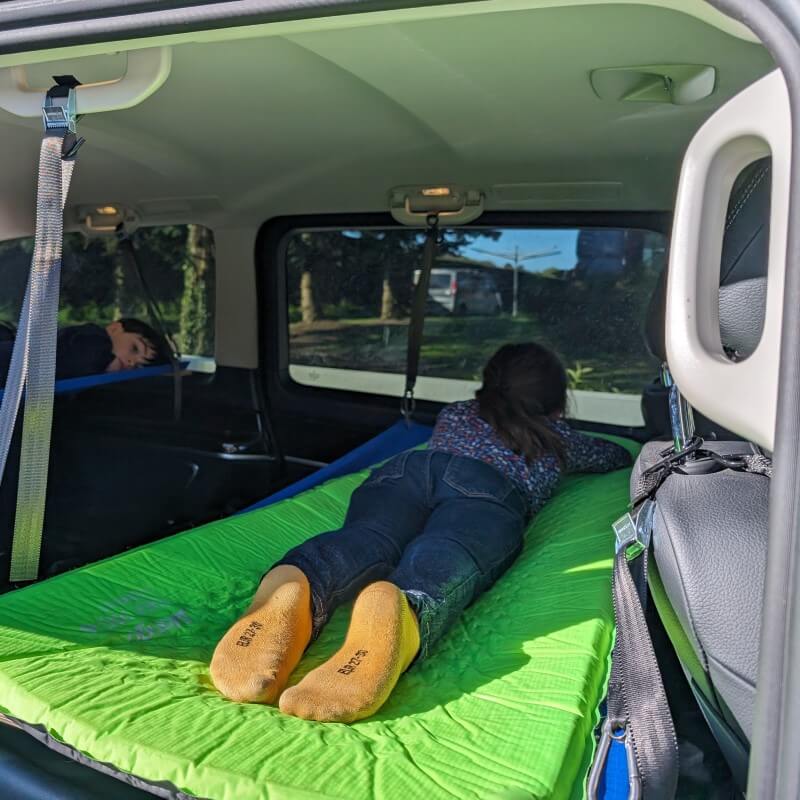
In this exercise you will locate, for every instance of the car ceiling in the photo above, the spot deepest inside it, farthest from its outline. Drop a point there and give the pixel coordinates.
(327, 119)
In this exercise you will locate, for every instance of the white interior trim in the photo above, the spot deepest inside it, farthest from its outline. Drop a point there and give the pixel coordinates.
(236, 310)
(608, 407)
(693, 8)
(742, 396)
(145, 72)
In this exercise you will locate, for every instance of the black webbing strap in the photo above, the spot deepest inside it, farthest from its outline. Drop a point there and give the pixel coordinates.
(638, 712)
(156, 320)
(671, 461)
(269, 438)
(651, 479)
(417, 321)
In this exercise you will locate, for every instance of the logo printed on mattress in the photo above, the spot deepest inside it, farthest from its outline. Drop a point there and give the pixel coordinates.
(249, 634)
(351, 665)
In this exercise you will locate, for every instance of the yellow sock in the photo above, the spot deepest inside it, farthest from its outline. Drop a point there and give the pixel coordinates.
(381, 642)
(254, 659)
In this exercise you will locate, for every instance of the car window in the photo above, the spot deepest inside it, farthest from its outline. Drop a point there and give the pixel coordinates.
(177, 262)
(581, 291)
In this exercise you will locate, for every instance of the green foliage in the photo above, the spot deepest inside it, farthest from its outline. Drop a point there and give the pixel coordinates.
(348, 267)
(196, 330)
(577, 374)
(295, 315)
(91, 312)
(343, 309)
(552, 272)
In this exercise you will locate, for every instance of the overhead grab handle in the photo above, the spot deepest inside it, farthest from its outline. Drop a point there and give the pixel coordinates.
(145, 72)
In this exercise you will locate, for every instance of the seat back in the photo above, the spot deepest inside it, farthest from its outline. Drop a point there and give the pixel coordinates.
(710, 526)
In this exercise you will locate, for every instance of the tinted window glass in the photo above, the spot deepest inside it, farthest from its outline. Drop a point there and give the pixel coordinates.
(177, 262)
(581, 292)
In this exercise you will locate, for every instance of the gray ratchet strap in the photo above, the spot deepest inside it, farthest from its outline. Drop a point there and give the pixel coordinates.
(33, 361)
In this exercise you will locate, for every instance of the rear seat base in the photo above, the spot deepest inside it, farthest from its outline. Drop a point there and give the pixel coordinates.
(707, 575)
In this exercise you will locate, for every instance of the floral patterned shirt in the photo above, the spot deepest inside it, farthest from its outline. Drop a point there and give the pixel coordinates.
(461, 431)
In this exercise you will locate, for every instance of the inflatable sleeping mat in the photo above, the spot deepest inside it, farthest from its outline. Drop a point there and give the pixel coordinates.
(108, 664)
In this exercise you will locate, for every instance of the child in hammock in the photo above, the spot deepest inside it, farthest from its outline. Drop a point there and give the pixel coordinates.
(89, 349)
(425, 534)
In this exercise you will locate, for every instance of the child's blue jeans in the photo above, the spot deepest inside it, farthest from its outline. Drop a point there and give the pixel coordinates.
(441, 527)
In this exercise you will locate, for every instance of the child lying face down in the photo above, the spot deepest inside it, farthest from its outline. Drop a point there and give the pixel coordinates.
(90, 349)
(425, 534)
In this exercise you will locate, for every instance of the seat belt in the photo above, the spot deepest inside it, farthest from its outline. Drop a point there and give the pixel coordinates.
(417, 321)
(33, 360)
(128, 252)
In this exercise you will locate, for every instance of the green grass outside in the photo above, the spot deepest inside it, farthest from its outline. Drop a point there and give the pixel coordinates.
(458, 347)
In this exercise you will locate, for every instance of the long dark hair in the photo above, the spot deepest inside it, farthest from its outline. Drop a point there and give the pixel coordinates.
(524, 387)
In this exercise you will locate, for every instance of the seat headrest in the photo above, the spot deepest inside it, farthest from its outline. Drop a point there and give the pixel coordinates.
(743, 268)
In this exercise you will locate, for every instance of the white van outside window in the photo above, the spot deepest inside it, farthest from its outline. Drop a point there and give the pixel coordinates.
(461, 291)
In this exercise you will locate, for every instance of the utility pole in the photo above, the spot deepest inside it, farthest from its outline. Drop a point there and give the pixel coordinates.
(517, 259)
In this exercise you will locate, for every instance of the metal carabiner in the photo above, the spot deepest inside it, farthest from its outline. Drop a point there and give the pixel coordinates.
(634, 778)
(610, 733)
(599, 762)
(408, 405)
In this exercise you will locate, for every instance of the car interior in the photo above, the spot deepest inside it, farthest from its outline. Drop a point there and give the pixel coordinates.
(280, 177)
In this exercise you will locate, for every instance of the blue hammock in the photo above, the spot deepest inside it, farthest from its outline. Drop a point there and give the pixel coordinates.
(66, 385)
(394, 440)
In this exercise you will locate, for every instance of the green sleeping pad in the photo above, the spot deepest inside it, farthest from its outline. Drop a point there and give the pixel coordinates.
(111, 660)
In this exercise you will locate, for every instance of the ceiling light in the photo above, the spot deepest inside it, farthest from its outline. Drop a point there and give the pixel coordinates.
(107, 211)
(436, 191)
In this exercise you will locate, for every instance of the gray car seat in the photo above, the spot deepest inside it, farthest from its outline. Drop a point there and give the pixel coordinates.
(710, 523)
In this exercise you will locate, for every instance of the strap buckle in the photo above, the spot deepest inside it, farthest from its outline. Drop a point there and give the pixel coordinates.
(635, 528)
(672, 456)
(614, 732)
(59, 109)
(651, 479)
